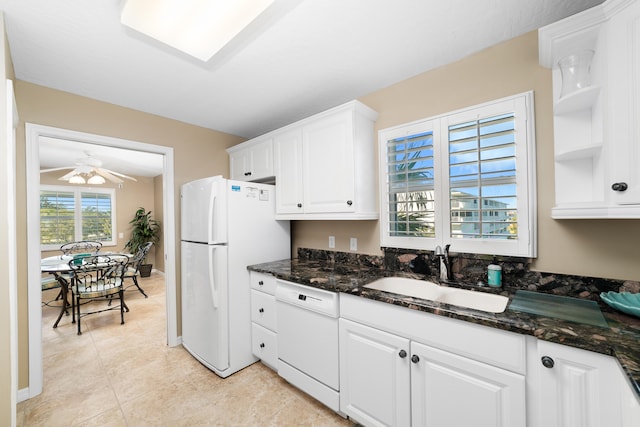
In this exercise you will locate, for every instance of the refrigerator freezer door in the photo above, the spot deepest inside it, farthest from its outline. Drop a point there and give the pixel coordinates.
(205, 328)
(204, 211)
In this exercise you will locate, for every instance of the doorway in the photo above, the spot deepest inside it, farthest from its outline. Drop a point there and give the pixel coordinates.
(33, 134)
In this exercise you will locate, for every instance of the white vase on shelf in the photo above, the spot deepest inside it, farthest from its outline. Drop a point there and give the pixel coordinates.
(575, 70)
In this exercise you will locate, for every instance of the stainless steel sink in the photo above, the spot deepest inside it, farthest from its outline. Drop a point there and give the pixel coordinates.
(482, 301)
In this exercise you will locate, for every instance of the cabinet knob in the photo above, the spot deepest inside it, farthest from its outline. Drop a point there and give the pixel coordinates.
(619, 186)
(261, 345)
(299, 205)
(415, 358)
(247, 174)
(402, 354)
(260, 283)
(261, 310)
(547, 362)
(349, 202)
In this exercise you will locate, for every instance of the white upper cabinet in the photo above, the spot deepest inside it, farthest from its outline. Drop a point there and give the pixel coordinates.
(252, 160)
(596, 133)
(325, 165)
(288, 164)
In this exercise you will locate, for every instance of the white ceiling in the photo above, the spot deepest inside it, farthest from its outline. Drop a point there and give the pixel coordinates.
(318, 55)
(55, 153)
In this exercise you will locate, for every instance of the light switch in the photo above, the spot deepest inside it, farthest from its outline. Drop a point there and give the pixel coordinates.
(332, 242)
(353, 244)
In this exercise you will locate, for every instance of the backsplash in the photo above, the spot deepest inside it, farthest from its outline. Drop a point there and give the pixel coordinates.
(471, 268)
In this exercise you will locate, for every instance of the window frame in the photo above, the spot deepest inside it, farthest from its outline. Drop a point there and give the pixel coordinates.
(525, 245)
(77, 197)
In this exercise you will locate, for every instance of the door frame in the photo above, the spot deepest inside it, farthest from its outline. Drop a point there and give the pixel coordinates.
(33, 133)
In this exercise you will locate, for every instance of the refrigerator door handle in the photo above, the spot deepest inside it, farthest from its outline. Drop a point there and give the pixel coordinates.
(212, 218)
(212, 280)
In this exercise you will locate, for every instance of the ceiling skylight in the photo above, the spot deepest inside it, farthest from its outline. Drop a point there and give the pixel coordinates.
(199, 28)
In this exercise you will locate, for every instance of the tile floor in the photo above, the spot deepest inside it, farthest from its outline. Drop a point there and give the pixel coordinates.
(126, 375)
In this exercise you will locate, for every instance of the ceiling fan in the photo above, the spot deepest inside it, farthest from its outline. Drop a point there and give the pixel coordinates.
(89, 169)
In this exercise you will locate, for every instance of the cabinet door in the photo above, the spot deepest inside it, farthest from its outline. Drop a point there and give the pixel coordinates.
(624, 103)
(262, 160)
(577, 389)
(239, 165)
(374, 375)
(327, 164)
(451, 390)
(287, 149)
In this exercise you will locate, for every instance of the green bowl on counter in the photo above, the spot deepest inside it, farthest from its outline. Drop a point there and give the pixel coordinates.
(623, 301)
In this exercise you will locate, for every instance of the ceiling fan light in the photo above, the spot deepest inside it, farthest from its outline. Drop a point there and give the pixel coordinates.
(76, 179)
(199, 28)
(96, 180)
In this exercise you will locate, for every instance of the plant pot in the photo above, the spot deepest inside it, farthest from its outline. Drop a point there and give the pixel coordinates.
(145, 270)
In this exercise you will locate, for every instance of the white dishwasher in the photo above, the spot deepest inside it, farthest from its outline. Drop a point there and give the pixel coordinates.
(307, 320)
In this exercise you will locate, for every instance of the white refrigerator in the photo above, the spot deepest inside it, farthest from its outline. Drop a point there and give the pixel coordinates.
(225, 226)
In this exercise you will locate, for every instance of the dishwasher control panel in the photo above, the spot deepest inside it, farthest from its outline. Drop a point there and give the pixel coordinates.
(318, 300)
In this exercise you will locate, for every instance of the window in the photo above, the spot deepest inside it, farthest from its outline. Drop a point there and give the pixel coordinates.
(71, 214)
(464, 178)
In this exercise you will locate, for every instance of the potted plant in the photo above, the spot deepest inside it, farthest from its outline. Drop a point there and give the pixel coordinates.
(144, 229)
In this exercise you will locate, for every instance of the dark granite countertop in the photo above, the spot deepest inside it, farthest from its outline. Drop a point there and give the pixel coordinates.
(621, 339)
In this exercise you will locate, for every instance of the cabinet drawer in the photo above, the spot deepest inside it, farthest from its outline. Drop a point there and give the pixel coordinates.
(263, 282)
(264, 345)
(263, 309)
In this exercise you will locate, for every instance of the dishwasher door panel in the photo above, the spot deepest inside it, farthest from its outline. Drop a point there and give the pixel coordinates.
(308, 341)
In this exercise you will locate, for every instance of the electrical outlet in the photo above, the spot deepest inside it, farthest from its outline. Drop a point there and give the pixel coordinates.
(332, 242)
(353, 244)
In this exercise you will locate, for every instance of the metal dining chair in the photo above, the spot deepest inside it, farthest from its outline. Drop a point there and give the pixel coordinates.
(96, 278)
(133, 271)
(70, 249)
(83, 246)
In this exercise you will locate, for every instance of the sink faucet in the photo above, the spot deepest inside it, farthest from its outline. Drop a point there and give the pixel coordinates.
(444, 262)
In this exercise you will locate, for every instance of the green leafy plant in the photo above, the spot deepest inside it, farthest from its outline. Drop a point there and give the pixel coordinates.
(144, 229)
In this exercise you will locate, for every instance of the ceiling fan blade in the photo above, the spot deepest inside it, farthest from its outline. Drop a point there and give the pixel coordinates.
(68, 175)
(106, 174)
(56, 169)
(115, 173)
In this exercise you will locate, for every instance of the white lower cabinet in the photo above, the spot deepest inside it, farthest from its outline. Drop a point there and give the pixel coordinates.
(264, 339)
(374, 376)
(451, 390)
(577, 388)
(387, 379)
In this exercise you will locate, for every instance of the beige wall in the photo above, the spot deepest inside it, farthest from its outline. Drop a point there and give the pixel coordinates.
(198, 153)
(598, 248)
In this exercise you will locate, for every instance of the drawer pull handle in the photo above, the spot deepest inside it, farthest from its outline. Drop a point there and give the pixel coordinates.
(260, 283)
(402, 354)
(299, 205)
(415, 358)
(349, 202)
(247, 174)
(261, 345)
(547, 362)
(261, 310)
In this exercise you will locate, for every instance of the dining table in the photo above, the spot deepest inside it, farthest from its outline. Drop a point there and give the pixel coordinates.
(58, 266)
